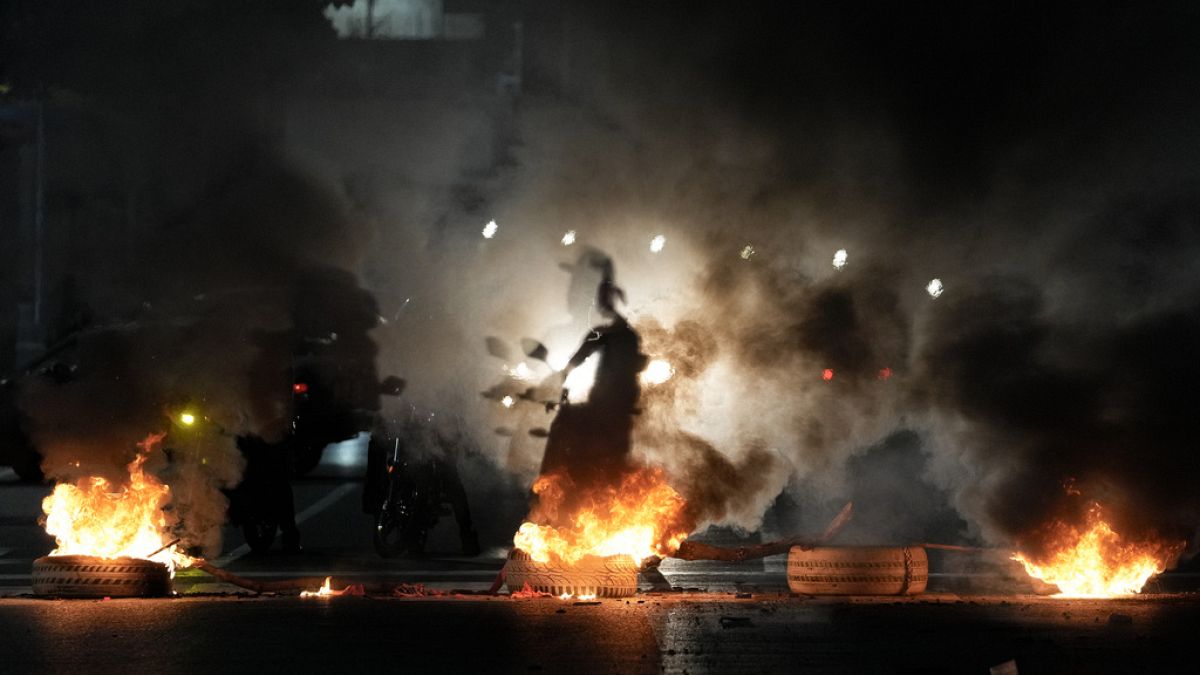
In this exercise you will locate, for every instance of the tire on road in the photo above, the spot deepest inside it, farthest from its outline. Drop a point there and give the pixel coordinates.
(81, 576)
(607, 577)
(858, 570)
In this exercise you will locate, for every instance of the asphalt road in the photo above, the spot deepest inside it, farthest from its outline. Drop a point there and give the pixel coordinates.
(963, 625)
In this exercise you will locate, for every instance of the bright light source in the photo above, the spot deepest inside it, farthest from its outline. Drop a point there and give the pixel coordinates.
(489, 230)
(748, 252)
(827, 374)
(521, 372)
(579, 382)
(839, 258)
(657, 372)
(935, 288)
(568, 238)
(188, 419)
(507, 401)
(657, 243)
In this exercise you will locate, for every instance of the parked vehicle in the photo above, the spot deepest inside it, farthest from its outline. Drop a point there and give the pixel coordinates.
(409, 491)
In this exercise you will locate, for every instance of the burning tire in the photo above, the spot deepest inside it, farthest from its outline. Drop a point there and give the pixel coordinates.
(610, 577)
(81, 576)
(858, 570)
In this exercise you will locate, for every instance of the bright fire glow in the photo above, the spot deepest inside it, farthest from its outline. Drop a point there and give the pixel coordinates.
(489, 230)
(657, 243)
(641, 517)
(657, 371)
(827, 374)
(322, 592)
(1095, 562)
(188, 419)
(839, 258)
(507, 401)
(93, 517)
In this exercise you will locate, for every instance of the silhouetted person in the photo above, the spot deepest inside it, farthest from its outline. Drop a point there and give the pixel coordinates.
(591, 441)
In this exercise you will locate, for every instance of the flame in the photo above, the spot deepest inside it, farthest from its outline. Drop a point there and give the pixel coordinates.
(93, 517)
(1095, 563)
(324, 591)
(641, 517)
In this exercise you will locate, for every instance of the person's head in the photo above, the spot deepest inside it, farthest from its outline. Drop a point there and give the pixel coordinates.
(606, 299)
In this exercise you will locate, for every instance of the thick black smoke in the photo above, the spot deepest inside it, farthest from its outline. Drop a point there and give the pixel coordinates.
(1035, 159)
(194, 297)
(1040, 160)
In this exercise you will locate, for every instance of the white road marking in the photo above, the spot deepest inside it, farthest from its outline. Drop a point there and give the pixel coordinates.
(317, 507)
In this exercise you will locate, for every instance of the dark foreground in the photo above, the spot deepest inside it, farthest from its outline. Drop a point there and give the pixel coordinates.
(673, 633)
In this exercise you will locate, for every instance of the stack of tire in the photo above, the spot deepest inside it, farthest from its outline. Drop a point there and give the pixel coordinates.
(858, 570)
(606, 577)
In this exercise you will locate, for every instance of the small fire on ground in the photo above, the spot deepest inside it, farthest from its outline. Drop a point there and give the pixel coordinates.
(1095, 561)
(641, 516)
(327, 591)
(94, 517)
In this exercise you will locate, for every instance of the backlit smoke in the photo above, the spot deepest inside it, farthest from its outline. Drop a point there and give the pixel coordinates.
(1068, 347)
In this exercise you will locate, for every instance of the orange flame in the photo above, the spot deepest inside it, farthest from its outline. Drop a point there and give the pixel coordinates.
(641, 517)
(327, 591)
(323, 591)
(93, 517)
(1095, 562)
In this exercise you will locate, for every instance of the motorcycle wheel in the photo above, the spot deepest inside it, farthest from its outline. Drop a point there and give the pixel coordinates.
(260, 534)
(389, 534)
(397, 536)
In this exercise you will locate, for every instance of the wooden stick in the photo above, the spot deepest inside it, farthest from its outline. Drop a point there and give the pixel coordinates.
(960, 549)
(311, 583)
(165, 547)
(261, 586)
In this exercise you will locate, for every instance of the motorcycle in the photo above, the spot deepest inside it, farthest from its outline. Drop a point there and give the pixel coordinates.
(413, 494)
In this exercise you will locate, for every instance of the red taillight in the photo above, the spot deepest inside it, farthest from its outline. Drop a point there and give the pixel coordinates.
(300, 388)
